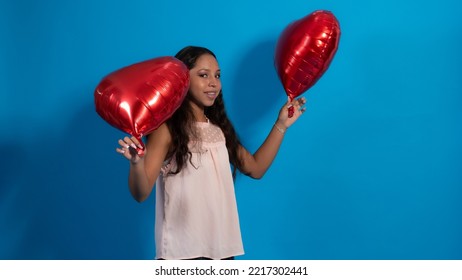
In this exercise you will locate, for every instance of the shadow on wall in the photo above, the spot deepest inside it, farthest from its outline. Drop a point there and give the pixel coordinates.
(256, 89)
(71, 200)
(11, 224)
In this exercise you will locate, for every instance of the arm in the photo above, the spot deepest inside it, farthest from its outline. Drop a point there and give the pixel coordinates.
(145, 169)
(257, 164)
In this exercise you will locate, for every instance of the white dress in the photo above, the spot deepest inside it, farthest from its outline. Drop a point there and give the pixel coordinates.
(196, 212)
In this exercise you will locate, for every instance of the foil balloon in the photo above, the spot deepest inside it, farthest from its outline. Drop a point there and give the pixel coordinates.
(138, 98)
(304, 51)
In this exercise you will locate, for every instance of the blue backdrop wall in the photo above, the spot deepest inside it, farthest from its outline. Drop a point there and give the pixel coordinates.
(371, 171)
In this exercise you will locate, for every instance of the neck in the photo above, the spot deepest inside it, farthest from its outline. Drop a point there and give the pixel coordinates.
(198, 112)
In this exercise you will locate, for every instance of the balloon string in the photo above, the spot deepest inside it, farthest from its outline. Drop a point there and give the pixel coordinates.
(291, 109)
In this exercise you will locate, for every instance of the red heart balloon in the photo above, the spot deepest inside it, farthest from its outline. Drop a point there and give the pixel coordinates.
(304, 51)
(138, 98)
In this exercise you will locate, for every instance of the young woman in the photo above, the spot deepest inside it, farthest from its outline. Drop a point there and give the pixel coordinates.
(189, 159)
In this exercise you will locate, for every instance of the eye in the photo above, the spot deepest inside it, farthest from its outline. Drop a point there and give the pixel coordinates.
(203, 75)
(218, 76)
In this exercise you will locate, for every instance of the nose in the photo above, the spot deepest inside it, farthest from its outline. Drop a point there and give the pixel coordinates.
(213, 82)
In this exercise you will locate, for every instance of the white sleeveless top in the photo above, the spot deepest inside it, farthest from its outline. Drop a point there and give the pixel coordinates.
(196, 212)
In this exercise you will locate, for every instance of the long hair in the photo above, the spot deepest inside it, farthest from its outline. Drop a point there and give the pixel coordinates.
(181, 124)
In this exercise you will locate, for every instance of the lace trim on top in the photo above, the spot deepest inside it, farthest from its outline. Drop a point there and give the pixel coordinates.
(209, 135)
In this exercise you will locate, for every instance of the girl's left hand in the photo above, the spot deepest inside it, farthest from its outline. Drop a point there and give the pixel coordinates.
(298, 109)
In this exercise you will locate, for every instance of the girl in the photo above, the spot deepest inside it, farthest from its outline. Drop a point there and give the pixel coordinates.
(189, 159)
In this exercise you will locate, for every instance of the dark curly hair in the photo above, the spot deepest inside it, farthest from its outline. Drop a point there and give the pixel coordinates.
(181, 123)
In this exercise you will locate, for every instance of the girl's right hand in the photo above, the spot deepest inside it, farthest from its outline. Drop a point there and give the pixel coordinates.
(128, 148)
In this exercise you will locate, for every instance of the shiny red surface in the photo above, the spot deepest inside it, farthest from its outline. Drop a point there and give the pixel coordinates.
(138, 98)
(305, 50)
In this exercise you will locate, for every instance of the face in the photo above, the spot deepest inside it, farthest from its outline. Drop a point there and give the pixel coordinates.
(205, 84)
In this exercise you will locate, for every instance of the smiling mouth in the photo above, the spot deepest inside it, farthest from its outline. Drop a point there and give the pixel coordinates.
(211, 94)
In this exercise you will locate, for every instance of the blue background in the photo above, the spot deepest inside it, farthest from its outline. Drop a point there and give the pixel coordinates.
(371, 171)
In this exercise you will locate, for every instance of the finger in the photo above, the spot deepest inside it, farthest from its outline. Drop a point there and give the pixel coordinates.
(120, 150)
(123, 144)
(297, 105)
(290, 102)
(301, 101)
(129, 142)
(301, 111)
(136, 142)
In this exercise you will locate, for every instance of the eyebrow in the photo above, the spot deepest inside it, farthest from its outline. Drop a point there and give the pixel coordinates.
(207, 69)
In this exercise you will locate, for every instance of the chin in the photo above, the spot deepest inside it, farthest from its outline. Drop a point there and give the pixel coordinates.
(209, 103)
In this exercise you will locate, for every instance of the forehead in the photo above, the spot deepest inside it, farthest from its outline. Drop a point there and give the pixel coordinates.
(206, 61)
